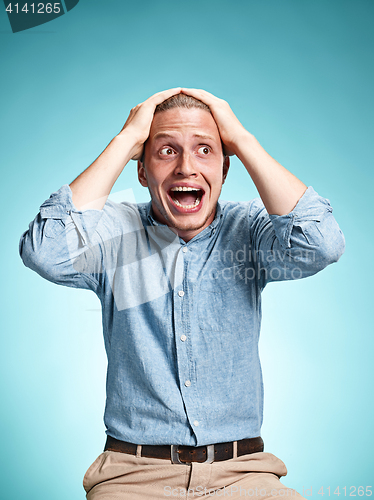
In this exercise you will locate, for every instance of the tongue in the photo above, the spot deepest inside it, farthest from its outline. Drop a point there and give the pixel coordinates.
(185, 197)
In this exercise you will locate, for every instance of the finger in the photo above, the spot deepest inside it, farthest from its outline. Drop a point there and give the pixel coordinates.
(160, 97)
(200, 94)
(149, 105)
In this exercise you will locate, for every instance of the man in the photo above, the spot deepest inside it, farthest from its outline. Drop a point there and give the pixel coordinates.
(180, 283)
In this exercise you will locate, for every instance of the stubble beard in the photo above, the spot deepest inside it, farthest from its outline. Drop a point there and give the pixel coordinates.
(172, 224)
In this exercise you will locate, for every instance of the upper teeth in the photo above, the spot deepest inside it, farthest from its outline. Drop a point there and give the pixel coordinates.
(184, 188)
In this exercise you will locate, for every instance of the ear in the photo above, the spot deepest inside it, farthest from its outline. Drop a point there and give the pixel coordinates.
(226, 166)
(141, 174)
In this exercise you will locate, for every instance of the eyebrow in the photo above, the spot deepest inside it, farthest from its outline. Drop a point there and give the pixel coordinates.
(166, 135)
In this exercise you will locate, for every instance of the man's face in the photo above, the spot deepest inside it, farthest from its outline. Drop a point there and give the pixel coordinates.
(184, 169)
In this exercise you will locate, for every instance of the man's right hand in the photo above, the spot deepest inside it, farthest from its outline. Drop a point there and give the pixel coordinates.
(138, 124)
(92, 187)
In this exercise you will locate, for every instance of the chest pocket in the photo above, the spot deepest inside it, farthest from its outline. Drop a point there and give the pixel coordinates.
(224, 300)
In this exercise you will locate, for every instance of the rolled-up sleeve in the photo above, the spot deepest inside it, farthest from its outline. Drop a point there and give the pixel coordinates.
(298, 244)
(60, 236)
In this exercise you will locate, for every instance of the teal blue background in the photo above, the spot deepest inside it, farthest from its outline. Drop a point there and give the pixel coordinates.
(299, 75)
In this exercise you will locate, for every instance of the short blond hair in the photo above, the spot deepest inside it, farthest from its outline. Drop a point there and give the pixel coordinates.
(181, 101)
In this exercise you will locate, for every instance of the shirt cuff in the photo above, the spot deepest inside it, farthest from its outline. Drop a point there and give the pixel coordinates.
(60, 206)
(310, 207)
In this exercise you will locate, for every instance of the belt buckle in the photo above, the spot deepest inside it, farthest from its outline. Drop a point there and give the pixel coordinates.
(175, 456)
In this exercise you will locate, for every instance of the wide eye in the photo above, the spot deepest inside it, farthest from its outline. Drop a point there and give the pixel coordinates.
(203, 150)
(167, 151)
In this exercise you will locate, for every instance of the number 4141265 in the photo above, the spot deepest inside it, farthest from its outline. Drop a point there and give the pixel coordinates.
(351, 491)
(40, 8)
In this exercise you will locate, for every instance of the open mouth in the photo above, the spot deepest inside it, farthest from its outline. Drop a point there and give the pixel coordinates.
(185, 197)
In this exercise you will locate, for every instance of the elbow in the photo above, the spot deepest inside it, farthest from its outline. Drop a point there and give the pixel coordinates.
(30, 256)
(33, 258)
(27, 251)
(332, 248)
(332, 243)
(339, 246)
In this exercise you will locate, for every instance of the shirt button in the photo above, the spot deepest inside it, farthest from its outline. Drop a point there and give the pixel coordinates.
(187, 383)
(181, 293)
(196, 423)
(184, 249)
(183, 338)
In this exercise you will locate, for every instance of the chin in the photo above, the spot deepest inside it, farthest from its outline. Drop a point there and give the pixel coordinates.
(190, 225)
(187, 222)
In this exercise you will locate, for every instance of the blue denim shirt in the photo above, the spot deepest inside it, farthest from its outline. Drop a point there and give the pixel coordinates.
(181, 321)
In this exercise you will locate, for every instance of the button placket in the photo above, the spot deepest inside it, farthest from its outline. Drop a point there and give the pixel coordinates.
(182, 336)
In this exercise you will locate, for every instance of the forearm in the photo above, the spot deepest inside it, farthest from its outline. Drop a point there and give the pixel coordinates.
(92, 187)
(279, 189)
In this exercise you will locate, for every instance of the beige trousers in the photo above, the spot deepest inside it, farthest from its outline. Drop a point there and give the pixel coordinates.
(119, 476)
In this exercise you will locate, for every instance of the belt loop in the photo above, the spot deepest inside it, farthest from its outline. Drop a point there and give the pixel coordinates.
(234, 449)
(139, 451)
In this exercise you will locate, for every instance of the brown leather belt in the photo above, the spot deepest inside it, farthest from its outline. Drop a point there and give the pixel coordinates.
(179, 454)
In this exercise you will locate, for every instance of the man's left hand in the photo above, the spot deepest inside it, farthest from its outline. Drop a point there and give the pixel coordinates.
(229, 127)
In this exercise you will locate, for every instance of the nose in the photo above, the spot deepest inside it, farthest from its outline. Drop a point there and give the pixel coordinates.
(186, 166)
